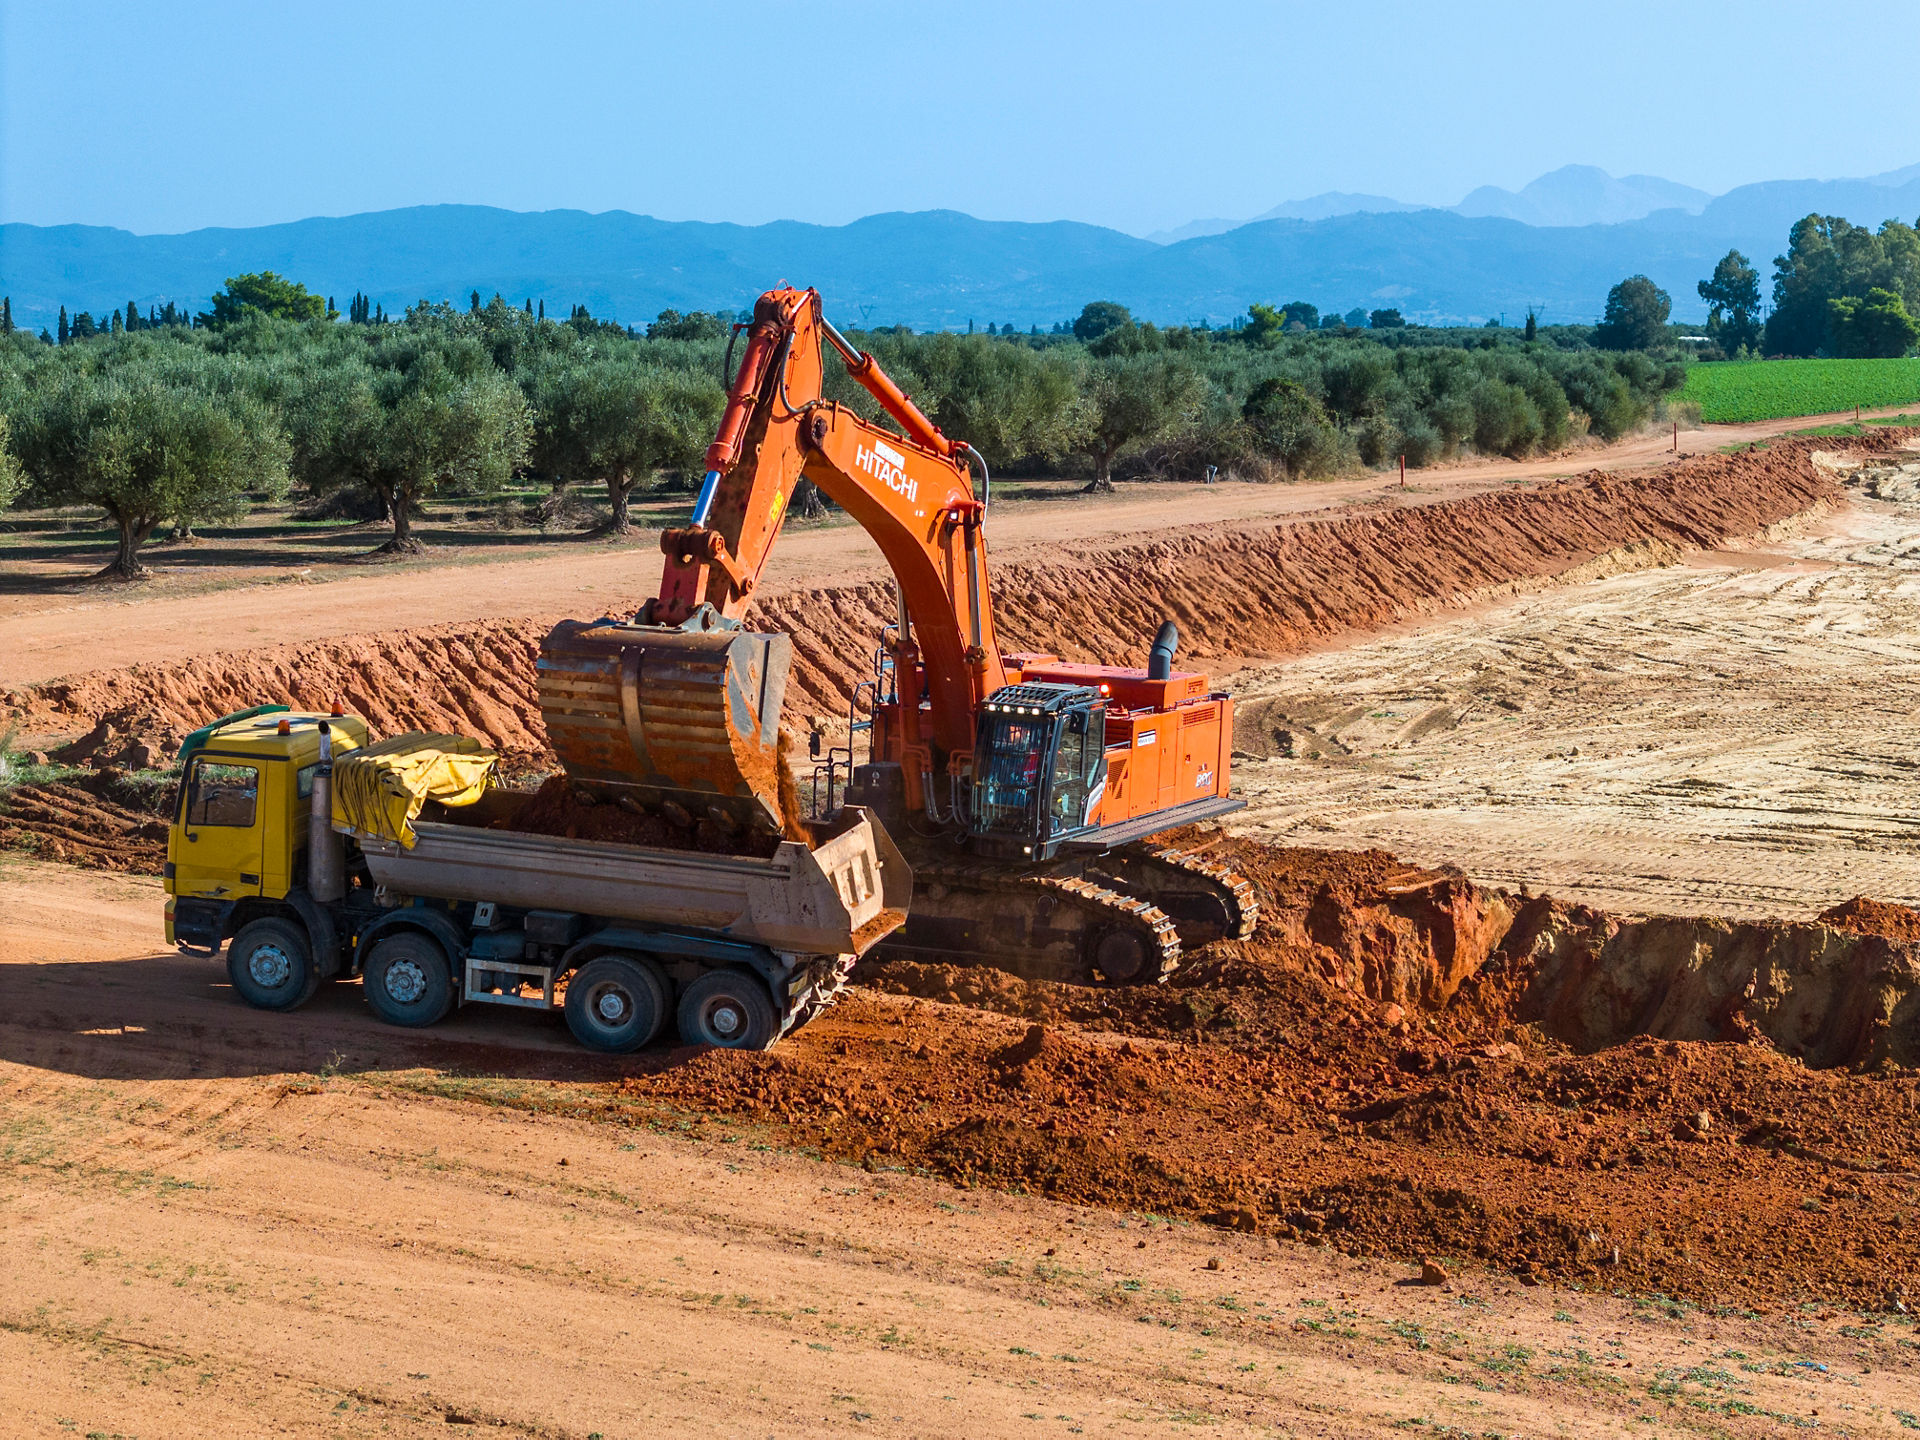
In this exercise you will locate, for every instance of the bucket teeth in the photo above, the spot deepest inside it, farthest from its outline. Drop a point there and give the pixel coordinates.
(689, 715)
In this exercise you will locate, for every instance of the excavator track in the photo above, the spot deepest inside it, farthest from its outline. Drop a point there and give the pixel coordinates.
(1070, 928)
(1207, 900)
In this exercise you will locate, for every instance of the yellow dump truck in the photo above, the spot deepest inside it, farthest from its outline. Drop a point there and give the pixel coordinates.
(310, 853)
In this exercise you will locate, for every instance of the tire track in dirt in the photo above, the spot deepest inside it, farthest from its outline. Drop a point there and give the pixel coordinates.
(1237, 590)
(1727, 736)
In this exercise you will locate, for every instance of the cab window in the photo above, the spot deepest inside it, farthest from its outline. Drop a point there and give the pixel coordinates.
(222, 794)
(1069, 788)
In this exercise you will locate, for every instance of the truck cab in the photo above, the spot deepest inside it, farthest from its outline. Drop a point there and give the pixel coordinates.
(239, 836)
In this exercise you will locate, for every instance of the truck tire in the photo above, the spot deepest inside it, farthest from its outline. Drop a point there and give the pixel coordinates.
(728, 1009)
(616, 1004)
(408, 980)
(271, 964)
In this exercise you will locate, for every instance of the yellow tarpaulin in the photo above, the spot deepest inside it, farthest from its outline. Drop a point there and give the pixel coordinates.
(380, 789)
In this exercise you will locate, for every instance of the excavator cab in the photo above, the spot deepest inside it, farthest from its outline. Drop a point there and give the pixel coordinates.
(1039, 763)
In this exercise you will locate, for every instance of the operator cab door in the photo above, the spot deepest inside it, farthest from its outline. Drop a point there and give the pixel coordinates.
(217, 845)
(1079, 777)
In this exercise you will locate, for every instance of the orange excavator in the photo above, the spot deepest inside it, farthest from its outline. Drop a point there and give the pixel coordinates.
(1024, 790)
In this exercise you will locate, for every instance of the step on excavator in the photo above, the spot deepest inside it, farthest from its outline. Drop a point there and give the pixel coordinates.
(1025, 791)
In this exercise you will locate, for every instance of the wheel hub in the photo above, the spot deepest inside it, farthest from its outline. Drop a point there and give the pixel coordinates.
(269, 966)
(726, 1019)
(406, 982)
(612, 1005)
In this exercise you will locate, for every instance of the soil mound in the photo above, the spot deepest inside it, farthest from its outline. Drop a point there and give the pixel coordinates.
(1237, 590)
(561, 808)
(1861, 916)
(1716, 1173)
(62, 821)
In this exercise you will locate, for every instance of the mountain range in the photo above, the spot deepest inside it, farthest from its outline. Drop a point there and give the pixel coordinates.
(1555, 246)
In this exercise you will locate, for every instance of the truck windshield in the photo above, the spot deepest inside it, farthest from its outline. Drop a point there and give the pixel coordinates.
(222, 794)
(1008, 791)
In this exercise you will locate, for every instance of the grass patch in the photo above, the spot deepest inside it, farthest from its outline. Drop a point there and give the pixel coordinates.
(1728, 392)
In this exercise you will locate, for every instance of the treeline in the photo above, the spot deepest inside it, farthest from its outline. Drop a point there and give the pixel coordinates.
(1840, 290)
(180, 426)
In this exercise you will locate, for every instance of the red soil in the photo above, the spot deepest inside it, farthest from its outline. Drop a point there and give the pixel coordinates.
(1236, 589)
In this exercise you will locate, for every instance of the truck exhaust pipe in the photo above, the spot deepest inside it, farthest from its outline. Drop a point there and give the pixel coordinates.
(326, 847)
(1160, 658)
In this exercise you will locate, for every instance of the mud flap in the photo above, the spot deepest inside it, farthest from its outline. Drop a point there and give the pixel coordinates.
(689, 714)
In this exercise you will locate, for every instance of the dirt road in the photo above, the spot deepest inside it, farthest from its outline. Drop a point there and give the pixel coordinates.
(206, 603)
(218, 1221)
(1728, 735)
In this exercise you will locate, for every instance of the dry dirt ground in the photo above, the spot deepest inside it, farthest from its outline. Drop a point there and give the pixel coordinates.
(1729, 734)
(1672, 1167)
(215, 1221)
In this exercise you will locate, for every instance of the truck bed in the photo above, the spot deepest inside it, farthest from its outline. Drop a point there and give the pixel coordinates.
(840, 896)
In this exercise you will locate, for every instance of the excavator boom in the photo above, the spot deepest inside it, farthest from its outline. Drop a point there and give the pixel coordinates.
(683, 701)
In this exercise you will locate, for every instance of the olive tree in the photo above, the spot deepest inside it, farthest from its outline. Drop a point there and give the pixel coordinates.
(1129, 402)
(12, 478)
(425, 412)
(145, 447)
(621, 421)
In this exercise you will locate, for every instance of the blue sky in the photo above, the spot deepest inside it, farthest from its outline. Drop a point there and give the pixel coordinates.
(165, 117)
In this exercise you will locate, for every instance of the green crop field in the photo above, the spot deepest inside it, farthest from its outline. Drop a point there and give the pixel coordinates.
(1775, 389)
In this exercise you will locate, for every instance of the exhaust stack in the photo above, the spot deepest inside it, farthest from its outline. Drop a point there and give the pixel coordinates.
(1160, 658)
(326, 847)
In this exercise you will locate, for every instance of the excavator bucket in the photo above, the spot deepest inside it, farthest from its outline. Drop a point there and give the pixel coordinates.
(684, 714)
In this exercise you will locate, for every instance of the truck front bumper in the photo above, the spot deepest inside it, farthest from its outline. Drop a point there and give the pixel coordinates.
(196, 925)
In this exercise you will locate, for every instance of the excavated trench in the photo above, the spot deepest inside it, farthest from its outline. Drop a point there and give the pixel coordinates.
(1238, 591)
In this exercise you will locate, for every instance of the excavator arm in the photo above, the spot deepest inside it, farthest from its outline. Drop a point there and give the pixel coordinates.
(684, 699)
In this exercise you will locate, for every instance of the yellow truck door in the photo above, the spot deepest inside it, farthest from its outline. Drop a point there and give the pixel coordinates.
(217, 847)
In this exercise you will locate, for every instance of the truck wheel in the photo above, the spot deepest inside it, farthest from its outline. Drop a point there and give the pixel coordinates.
(616, 1004)
(408, 980)
(729, 1009)
(271, 965)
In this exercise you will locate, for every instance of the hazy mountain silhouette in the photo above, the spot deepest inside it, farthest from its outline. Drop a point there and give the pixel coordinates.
(944, 269)
(1315, 207)
(1583, 195)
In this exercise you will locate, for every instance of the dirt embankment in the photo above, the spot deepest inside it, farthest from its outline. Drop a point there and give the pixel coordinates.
(102, 821)
(1400, 1063)
(1236, 590)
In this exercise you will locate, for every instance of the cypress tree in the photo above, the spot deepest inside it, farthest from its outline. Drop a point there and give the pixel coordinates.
(473, 305)
(6, 316)
(1533, 326)
(117, 323)
(133, 316)
(66, 331)
(543, 309)
(529, 305)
